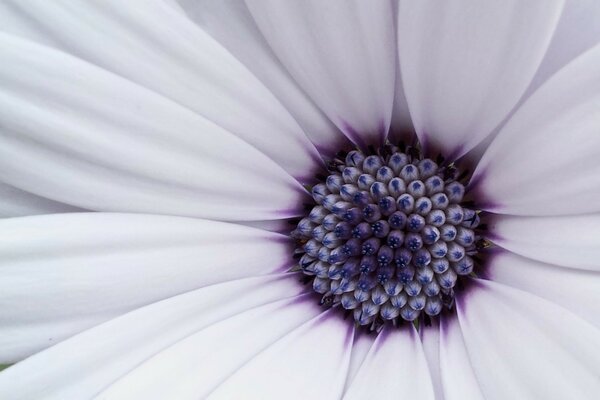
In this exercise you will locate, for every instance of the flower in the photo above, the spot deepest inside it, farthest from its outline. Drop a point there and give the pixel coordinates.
(166, 144)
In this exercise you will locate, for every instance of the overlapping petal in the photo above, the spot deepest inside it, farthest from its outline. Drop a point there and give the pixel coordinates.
(545, 159)
(394, 368)
(84, 365)
(458, 378)
(156, 46)
(342, 53)
(63, 273)
(574, 289)
(75, 133)
(568, 241)
(17, 203)
(465, 64)
(207, 358)
(522, 346)
(577, 31)
(309, 363)
(230, 22)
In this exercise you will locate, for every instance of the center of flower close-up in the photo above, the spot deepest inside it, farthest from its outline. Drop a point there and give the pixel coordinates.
(390, 235)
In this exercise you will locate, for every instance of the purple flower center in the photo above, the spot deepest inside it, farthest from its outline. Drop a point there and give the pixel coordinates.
(388, 237)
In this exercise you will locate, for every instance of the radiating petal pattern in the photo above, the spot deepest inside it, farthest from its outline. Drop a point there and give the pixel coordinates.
(458, 378)
(159, 48)
(194, 366)
(360, 348)
(17, 203)
(230, 22)
(465, 64)
(342, 53)
(576, 290)
(62, 273)
(309, 363)
(568, 241)
(577, 31)
(524, 347)
(430, 339)
(74, 133)
(545, 159)
(84, 365)
(395, 368)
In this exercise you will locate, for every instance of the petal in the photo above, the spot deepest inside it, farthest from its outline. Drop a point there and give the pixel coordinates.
(465, 64)
(16, 203)
(213, 353)
(89, 138)
(523, 347)
(545, 159)
(395, 368)
(430, 339)
(572, 289)
(577, 31)
(309, 363)
(342, 53)
(458, 378)
(568, 241)
(87, 363)
(63, 273)
(360, 348)
(230, 23)
(158, 47)
(402, 127)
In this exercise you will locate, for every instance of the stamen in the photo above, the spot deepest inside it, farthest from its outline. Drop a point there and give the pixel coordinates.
(388, 237)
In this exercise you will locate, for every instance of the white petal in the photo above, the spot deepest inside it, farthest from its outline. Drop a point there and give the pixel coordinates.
(62, 273)
(545, 159)
(523, 347)
(395, 368)
(568, 241)
(230, 22)
(16, 203)
(85, 364)
(573, 289)
(458, 378)
(213, 353)
(465, 64)
(360, 348)
(577, 31)
(402, 126)
(430, 339)
(89, 138)
(159, 48)
(309, 363)
(342, 53)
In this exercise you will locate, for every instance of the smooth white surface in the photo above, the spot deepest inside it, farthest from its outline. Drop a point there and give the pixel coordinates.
(465, 64)
(458, 378)
(568, 241)
(545, 159)
(232, 25)
(18, 203)
(155, 45)
(194, 366)
(311, 362)
(62, 273)
(75, 133)
(342, 53)
(574, 289)
(84, 365)
(395, 368)
(523, 347)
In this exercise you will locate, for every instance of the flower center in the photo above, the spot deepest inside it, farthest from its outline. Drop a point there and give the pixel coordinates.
(388, 237)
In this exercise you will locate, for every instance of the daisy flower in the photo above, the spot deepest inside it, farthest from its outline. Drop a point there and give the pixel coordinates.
(299, 199)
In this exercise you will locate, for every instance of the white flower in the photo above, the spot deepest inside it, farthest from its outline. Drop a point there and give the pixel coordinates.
(192, 127)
